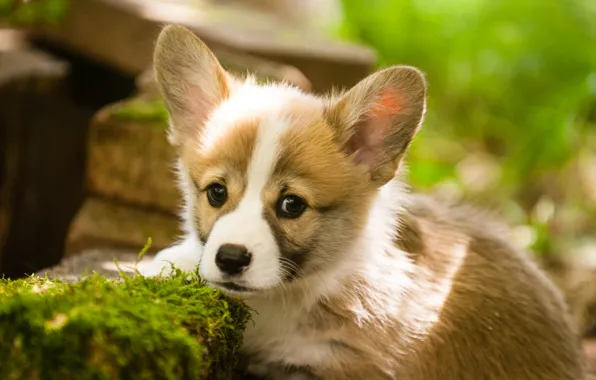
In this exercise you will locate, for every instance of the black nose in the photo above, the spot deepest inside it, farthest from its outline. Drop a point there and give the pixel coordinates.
(232, 259)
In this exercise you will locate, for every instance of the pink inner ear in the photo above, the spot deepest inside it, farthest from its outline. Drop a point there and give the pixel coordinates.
(366, 143)
(389, 104)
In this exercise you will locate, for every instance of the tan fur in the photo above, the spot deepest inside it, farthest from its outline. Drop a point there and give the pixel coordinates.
(381, 285)
(227, 164)
(193, 89)
(495, 315)
(320, 174)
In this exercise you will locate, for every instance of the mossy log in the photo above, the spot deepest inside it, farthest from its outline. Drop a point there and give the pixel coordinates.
(132, 192)
(129, 158)
(129, 328)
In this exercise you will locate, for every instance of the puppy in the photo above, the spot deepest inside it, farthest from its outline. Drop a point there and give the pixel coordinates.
(294, 203)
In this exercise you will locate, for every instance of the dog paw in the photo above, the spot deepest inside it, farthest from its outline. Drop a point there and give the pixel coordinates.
(184, 256)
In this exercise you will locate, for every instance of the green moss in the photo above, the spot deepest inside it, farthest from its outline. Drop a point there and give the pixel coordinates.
(134, 327)
(151, 111)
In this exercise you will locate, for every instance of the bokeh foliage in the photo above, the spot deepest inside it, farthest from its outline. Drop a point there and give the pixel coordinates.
(28, 12)
(511, 82)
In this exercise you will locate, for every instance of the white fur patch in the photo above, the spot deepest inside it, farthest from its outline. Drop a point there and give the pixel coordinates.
(247, 102)
(184, 256)
(246, 225)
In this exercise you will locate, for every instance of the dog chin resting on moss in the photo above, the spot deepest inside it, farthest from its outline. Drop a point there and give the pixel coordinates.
(294, 203)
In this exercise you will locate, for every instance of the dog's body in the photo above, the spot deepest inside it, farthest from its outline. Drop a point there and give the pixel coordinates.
(294, 205)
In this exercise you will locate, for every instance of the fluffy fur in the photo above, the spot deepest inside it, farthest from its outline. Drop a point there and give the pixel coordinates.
(369, 282)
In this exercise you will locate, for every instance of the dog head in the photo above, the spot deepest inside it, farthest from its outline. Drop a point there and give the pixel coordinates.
(279, 182)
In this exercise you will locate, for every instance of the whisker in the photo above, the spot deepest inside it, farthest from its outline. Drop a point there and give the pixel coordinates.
(295, 272)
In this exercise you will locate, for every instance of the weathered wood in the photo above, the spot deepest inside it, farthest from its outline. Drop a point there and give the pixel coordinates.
(121, 33)
(42, 153)
(104, 223)
(131, 161)
(242, 63)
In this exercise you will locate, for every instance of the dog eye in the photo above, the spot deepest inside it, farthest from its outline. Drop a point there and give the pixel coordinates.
(290, 206)
(217, 195)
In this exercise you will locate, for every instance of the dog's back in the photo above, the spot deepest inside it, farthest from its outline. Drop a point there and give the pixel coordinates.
(501, 318)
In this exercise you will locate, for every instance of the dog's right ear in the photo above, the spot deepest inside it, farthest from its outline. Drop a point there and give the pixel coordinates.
(190, 79)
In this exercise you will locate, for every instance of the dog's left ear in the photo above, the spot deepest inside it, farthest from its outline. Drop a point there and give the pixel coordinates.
(376, 120)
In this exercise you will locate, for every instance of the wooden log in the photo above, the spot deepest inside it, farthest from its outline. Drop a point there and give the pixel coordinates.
(121, 33)
(239, 65)
(42, 154)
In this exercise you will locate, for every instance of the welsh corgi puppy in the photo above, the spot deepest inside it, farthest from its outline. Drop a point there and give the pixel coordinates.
(295, 204)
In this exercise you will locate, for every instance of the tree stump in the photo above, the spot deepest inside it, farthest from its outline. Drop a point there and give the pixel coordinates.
(129, 158)
(129, 178)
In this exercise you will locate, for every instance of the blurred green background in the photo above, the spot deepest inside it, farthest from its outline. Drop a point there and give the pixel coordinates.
(26, 12)
(511, 120)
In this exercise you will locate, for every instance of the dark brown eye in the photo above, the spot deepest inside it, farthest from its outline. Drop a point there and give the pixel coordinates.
(290, 206)
(217, 195)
